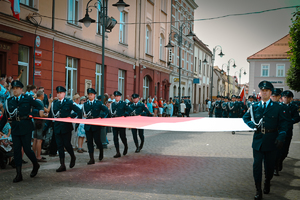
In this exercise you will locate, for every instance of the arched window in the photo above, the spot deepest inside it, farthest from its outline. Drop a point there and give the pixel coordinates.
(148, 40)
(183, 92)
(161, 47)
(145, 87)
(174, 91)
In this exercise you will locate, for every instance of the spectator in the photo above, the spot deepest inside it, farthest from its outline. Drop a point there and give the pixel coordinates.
(182, 108)
(45, 101)
(168, 108)
(172, 106)
(80, 131)
(31, 90)
(208, 104)
(4, 93)
(164, 109)
(161, 107)
(127, 100)
(6, 144)
(38, 132)
(155, 106)
(150, 106)
(74, 138)
(112, 97)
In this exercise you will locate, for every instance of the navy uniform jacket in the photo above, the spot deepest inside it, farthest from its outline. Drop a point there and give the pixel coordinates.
(94, 111)
(177, 102)
(25, 125)
(233, 109)
(218, 106)
(62, 110)
(120, 109)
(188, 104)
(292, 111)
(225, 109)
(140, 109)
(274, 120)
(242, 108)
(249, 103)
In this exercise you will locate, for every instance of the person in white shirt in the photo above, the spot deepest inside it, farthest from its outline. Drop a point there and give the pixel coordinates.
(182, 108)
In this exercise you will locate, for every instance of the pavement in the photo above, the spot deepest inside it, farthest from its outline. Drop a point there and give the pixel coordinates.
(172, 165)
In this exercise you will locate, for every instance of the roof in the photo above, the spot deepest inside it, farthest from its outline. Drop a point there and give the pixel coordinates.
(276, 50)
(200, 43)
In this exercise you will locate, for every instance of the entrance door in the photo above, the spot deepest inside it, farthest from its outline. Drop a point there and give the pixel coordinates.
(2, 63)
(24, 78)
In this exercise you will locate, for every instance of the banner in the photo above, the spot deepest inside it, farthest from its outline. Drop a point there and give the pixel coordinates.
(186, 124)
(15, 7)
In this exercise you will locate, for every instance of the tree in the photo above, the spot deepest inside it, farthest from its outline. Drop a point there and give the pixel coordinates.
(293, 74)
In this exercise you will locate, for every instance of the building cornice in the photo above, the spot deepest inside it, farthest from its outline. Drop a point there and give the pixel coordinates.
(268, 60)
(25, 26)
(192, 4)
(155, 66)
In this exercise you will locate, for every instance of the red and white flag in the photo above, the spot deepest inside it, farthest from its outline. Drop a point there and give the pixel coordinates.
(188, 124)
(15, 7)
(243, 96)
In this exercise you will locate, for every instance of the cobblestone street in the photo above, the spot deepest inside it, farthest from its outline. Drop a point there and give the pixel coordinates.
(172, 165)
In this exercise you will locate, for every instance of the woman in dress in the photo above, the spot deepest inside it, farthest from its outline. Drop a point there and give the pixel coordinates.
(81, 132)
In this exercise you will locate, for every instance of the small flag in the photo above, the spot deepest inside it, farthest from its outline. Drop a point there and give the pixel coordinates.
(242, 95)
(15, 8)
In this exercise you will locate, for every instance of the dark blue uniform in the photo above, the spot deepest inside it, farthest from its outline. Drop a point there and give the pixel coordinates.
(176, 108)
(139, 109)
(92, 110)
(120, 109)
(217, 106)
(233, 109)
(225, 109)
(188, 105)
(272, 125)
(18, 110)
(62, 130)
(242, 108)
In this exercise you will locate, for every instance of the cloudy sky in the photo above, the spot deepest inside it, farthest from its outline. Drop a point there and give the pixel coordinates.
(242, 36)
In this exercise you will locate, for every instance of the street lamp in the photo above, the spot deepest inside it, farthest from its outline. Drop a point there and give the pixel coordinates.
(228, 68)
(107, 24)
(218, 47)
(179, 42)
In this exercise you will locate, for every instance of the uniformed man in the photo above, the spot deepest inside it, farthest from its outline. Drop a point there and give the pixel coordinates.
(91, 110)
(61, 108)
(188, 105)
(217, 106)
(18, 108)
(276, 94)
(294, 117)
(176, 107)
(225, 107)
(249, 102)
(118, 109)
(138, 109)
(271, 126)
(233, 108)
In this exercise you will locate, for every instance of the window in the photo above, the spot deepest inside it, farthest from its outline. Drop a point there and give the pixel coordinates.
(187, 60)
(122, 31)
(280, 70)
(161, 47)
(265, 70)
(148, 40)
(73, 11)
(183, 92)
(204, 68)
(121, 82)
(176, 19)
(23, 64)
(145, 87)
(190, 62)
(71, 76)
(27, 2)
(98, 78)
(174, 91)
(164, 5)
(195, 65)
(199, 66)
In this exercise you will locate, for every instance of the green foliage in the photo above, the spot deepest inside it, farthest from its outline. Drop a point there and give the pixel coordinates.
(293, 74)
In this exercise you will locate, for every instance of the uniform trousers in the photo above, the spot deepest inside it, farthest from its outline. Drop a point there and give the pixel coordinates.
(122, 133)
(175, 110)
(268, 157)
(24, 141)
(187, 112)
(53, 145)
(64, 141)
(92, 136)
(284, 151)
(134, 135)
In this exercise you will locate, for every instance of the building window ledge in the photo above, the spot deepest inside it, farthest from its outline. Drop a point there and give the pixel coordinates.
(28, 7)
(123, 44)
(147, 54)
(151, 1)
(74, 26)
(162, 61)
(164, 12)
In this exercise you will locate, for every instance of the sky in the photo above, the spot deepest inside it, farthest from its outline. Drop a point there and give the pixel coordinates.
(242, 36)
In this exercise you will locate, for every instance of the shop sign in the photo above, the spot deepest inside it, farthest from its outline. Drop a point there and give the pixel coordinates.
(38, 53)
(177, 80)
(37, 73)
(5, 47)
(38, 63)
(196, 80)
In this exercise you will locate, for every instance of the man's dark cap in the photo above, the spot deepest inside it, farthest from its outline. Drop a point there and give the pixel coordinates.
(99, 97)
(117, 93)
(91, 90)
(17, 83)
(60, 89)
(265, 85)
(287, 93)
(276, 91)
(135, 96)
(233, 96)
(250, 96)
(219, 96)
(226, 97)
(188, 97)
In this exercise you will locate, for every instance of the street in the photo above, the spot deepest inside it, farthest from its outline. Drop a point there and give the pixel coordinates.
(172, 165)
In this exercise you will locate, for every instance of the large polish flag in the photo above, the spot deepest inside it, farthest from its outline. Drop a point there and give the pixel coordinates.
(186, 124)
(15, 7)
(242, 95)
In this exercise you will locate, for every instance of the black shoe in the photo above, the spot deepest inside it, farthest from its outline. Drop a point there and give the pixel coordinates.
(118, 155)
(125, 150)
(276, 172)
(280, 166)
(24, 162)
(101, 155)
(137, 150)
(19, 176)
(258, 195)
(61, 168)
(142, 144)
(267, 187)
(92, 161)
(35, 169)
(72, 163)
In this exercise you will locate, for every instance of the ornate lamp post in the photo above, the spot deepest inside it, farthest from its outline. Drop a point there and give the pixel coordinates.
(107, 23)
(179, 42)
(228, 69)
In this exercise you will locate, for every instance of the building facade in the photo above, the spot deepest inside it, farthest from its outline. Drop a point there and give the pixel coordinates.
(271, 64)
(182, 10)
